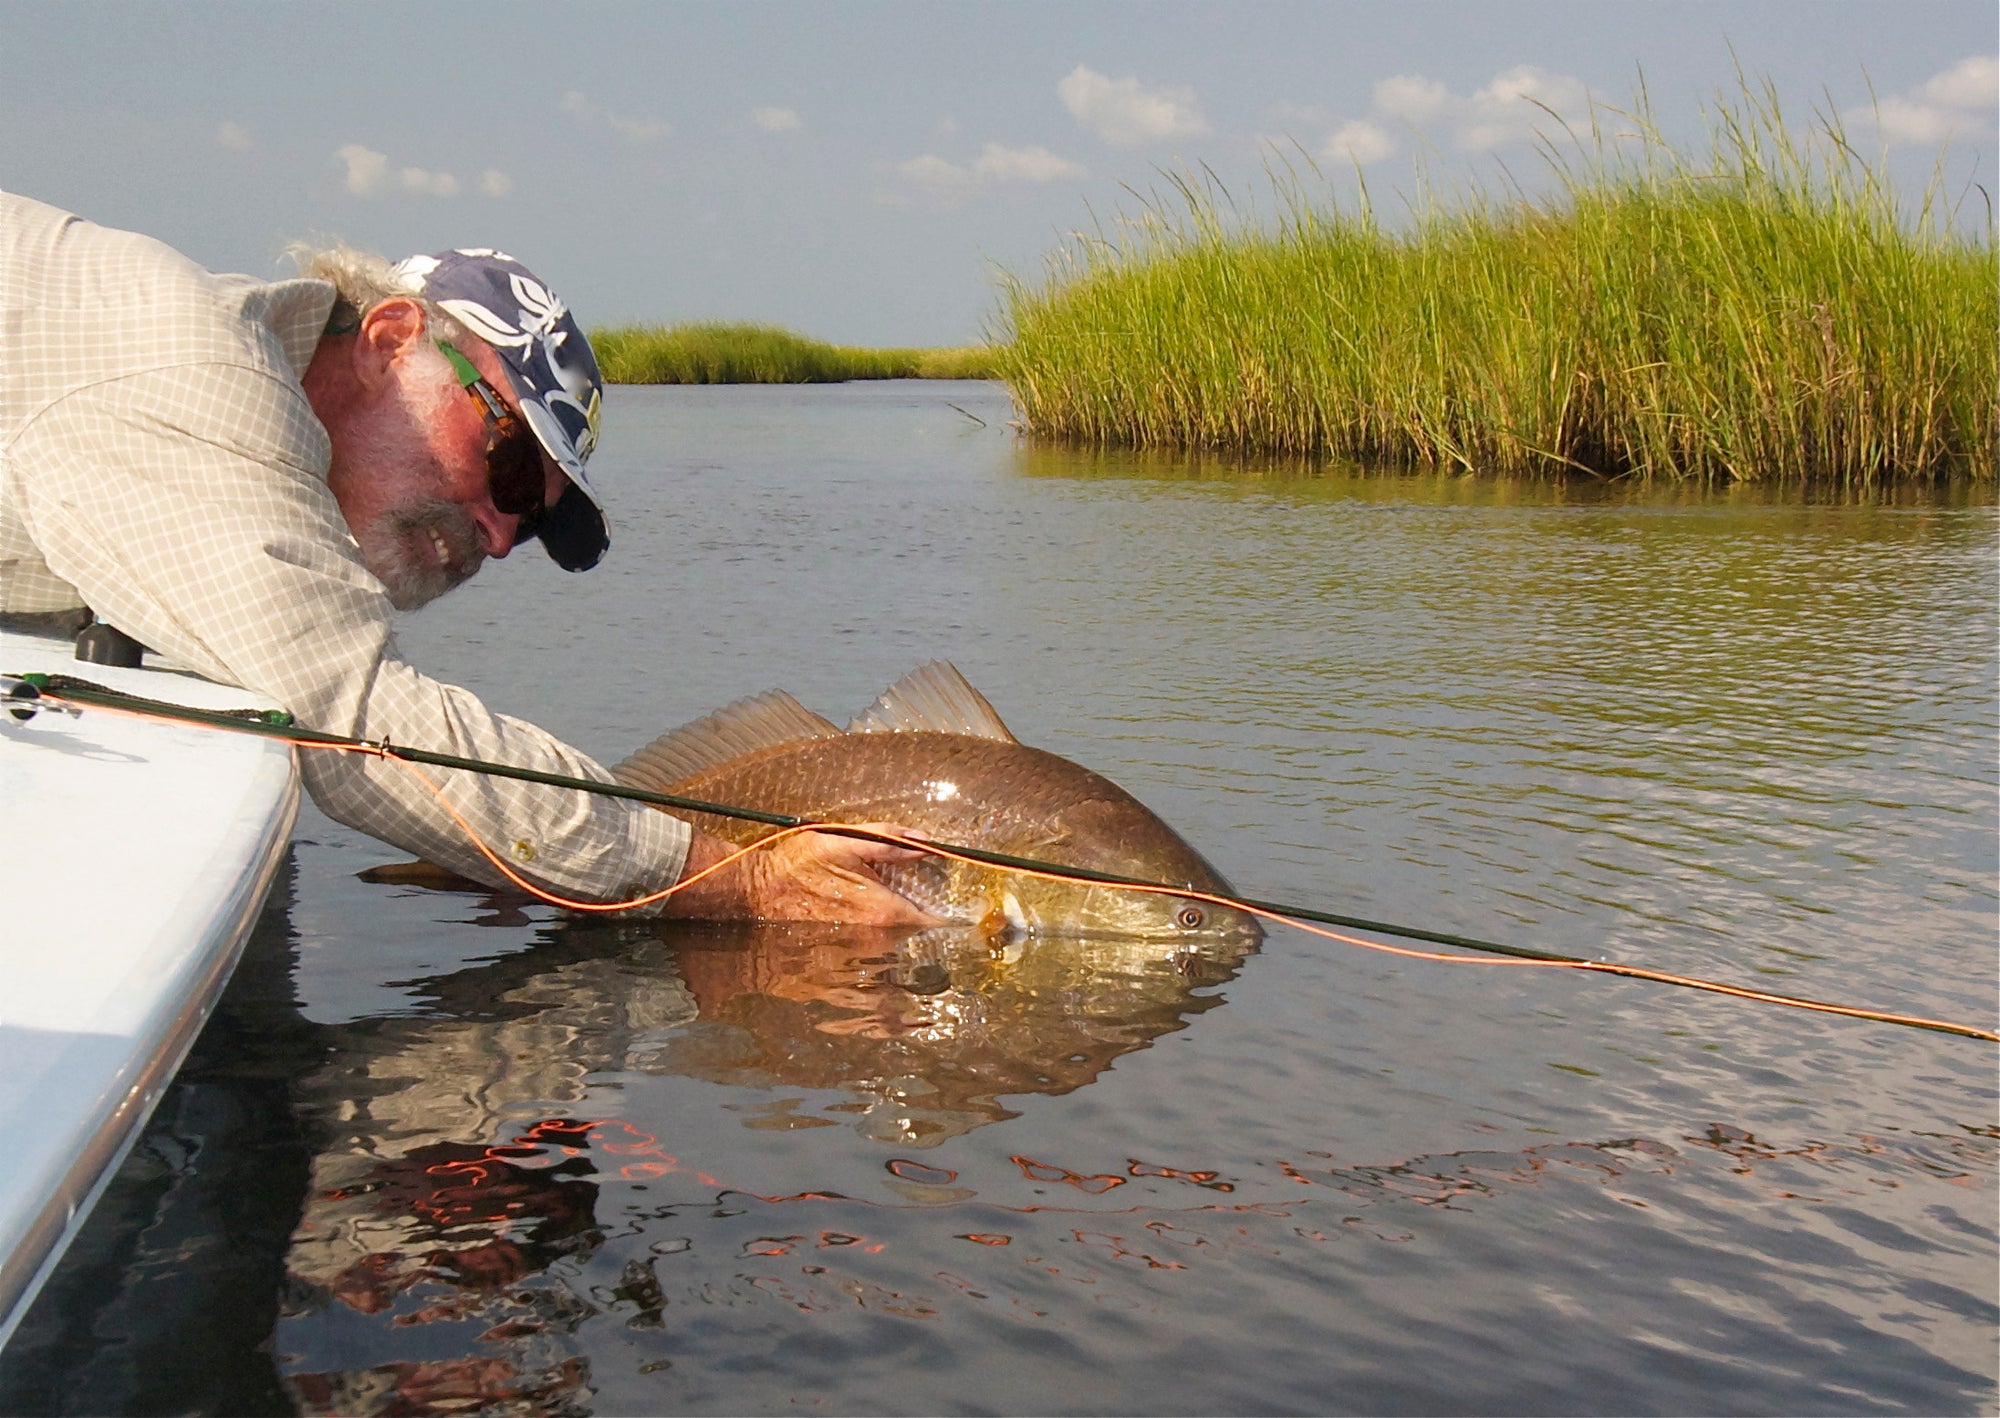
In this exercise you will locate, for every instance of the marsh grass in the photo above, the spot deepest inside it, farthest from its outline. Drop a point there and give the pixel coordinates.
(721, 353)
(1762, 312)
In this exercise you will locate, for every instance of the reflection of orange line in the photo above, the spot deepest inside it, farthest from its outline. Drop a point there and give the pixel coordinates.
(1200, 1179)
(1262, 1208)
(1050, 1172)
(921, 1172)
(1119, 1250)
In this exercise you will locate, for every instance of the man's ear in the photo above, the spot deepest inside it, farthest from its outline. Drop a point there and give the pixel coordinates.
(388, 330)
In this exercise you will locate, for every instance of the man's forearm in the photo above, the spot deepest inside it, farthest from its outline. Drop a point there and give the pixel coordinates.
(719, 896)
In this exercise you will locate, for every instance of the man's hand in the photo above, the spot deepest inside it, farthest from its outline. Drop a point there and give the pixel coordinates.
(810, 876)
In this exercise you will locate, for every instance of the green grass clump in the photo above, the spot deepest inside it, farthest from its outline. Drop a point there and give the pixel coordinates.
(956, 362)
(1762, 313)
(722, 353)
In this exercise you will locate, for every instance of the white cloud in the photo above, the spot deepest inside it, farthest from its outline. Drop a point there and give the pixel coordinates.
(424, 183)
(367, 170)
(1970, 83)
(369, 174)
(933, 171)
(945, 183)
(1412, 98)
(234, 135)
(1514, 108)
(1953, 103)
(1359, 142)
(1126, 115)
(638, 130)
(1030, 164)
(1901, 122)
(775, 120)
(996, 165)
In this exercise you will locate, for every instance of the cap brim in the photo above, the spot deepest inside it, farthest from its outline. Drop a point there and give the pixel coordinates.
(574, 531)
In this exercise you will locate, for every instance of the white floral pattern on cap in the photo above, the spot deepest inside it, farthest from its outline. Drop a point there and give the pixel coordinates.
(549, 362)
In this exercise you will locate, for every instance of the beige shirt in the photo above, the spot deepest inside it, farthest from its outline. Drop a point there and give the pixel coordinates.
(160, 464)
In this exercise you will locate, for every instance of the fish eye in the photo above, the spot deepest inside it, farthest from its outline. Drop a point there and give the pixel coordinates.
(1189, 917)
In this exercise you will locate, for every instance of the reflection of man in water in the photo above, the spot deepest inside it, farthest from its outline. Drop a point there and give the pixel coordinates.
(496, 1216)
(474, 1137)
(509, 1206)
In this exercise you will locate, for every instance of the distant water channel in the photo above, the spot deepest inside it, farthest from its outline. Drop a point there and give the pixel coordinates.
(444, 1154)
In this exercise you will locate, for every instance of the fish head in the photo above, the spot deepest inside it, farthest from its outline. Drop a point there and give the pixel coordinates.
(1049, 909)
(1117, 834)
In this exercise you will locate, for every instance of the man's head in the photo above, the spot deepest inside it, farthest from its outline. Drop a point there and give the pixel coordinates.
(462, 401)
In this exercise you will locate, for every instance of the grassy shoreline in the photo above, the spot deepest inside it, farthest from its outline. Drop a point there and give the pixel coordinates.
(1761, 312)
(713, 352)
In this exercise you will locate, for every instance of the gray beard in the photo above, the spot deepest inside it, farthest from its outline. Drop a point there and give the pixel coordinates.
(397, 547)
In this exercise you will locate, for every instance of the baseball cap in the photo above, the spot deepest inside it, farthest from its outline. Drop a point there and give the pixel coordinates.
(549, 363)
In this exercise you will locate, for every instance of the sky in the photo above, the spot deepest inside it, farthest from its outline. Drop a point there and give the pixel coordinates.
(866, 173)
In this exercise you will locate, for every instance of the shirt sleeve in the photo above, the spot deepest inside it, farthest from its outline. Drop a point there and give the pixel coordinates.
(189, 507)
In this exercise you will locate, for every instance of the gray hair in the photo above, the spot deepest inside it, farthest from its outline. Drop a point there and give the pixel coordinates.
(361, 281)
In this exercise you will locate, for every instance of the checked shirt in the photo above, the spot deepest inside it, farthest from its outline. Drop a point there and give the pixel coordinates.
(159, 463)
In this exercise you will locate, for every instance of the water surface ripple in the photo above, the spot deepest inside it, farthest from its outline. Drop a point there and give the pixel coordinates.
(457, 1154)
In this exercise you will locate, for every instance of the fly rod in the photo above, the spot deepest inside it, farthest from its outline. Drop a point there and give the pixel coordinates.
(23, 695)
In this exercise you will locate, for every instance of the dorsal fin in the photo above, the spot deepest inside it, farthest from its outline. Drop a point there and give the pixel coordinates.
(730, 732)
(933, 698)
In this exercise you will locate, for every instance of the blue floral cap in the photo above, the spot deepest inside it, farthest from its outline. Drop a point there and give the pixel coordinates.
(549, 363)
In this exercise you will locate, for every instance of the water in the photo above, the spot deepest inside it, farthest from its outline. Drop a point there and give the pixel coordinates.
(441, 1153)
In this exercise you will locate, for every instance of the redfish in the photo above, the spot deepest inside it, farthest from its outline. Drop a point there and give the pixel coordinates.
(933, 756)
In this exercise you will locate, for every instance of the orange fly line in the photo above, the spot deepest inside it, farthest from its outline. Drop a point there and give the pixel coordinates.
(1635, 972)
(1604, 967)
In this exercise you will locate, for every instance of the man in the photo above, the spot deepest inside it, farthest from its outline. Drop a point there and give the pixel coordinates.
(250, 477)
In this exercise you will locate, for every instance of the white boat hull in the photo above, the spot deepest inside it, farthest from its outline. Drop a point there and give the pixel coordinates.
(137, 855)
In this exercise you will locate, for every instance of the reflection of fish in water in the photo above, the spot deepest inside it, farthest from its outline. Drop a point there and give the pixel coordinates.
(926, 1038)
(932, 755)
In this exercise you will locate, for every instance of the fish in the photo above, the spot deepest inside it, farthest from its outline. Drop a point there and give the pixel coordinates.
(933, 756)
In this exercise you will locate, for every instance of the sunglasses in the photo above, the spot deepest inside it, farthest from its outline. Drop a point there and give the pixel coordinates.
(514, 477)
